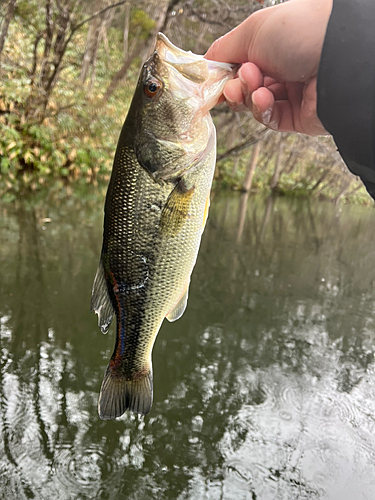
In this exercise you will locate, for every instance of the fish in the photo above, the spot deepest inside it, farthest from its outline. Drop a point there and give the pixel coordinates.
(154, 216)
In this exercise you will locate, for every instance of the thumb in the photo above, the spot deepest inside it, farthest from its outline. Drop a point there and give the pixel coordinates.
(234, 46)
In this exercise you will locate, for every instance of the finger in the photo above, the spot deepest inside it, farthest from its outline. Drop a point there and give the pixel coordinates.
(295, 96)
(276, 115)
(287, 115)
(234, 96)
(233, 91)
(239, 95)
(279, 91)
(282, 118)
(251, 79)
(269, 81)
(263, 105)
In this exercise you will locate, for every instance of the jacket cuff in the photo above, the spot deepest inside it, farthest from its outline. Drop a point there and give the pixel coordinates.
(346, 85)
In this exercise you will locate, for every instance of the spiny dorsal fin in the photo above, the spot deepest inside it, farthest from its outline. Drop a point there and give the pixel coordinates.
(100, 301)
(179, 308)
(176, 209)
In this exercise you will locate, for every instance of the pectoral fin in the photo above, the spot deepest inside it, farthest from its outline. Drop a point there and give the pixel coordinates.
(100, 301)
(176, 209)
(179, 308)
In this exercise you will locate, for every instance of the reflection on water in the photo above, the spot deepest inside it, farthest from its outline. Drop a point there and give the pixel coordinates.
(265, 389)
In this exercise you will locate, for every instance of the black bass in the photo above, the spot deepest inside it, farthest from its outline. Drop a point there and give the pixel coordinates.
(155, 212)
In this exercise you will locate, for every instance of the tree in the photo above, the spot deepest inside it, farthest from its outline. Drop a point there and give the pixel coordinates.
(96, 32)
(4, 23)
(141, 50)
(251, 169)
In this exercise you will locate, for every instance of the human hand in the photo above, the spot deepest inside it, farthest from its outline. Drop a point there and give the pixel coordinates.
(279, 48)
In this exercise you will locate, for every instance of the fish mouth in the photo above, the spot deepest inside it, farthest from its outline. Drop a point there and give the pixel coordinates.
(203, 77)
(176, 140)
(175, 56)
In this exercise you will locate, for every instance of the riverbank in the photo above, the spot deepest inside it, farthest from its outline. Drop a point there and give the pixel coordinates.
(65, 91)
(61, 189)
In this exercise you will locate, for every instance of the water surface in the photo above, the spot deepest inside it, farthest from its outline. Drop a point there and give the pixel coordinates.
(265, 389)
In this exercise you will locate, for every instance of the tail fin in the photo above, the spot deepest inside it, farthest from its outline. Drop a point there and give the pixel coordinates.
(118, 394)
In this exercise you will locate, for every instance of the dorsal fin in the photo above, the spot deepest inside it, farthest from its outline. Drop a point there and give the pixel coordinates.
(100, 300)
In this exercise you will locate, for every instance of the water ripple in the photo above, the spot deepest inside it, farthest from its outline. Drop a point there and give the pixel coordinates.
(85, 470)
(237, 469)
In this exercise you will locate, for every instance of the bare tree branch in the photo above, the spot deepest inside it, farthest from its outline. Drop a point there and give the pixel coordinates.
(98, 13)
(263, 134)
(141, 50)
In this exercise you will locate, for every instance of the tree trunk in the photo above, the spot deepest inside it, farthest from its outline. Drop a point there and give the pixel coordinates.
(57, 28)
(343, 191)
(45, 66)
(320, 180)
(104, 25)
(5, 23)
(279, 156)
(92, 41)
(236, 162)
(251, 168)
(141, 50)
(232, 137)
(289, 163)
(126, 31)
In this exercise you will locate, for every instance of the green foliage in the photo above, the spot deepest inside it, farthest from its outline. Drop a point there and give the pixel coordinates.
(55, 127)
(141, 24)
(74, 136)
(314, 175)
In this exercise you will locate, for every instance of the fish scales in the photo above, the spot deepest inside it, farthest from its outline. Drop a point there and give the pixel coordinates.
(155, 212)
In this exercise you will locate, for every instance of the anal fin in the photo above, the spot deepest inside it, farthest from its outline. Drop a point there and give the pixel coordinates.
(100, 301)
(179, 308)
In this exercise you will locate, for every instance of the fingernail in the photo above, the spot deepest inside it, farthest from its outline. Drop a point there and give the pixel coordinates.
(266, 116)
(235, 106)
(227, 99)
(241, 77)
(244, 87)
(232, 104)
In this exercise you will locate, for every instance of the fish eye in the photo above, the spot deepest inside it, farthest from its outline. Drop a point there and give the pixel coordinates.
(152, 87)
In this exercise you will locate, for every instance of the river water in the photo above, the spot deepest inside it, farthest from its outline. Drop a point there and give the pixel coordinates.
(264, 389)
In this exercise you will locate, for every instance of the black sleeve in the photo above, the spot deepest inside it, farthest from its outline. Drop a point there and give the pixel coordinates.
(346, 85)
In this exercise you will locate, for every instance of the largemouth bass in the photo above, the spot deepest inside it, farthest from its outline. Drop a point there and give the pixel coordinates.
(155, 212)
